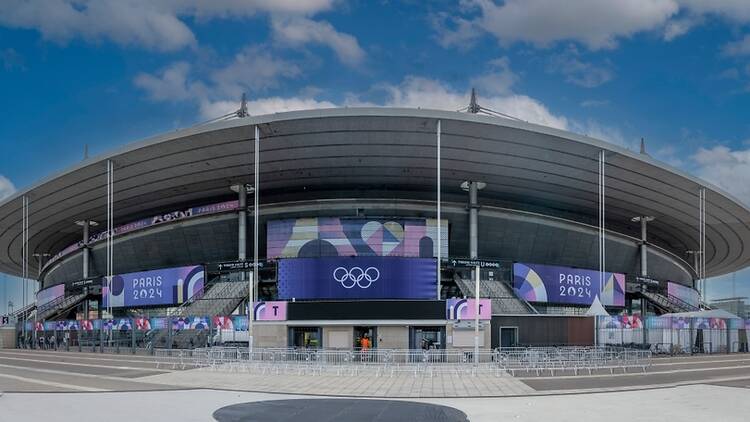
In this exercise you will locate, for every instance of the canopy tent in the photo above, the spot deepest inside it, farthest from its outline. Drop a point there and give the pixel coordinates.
(596, 308)
(712, 313)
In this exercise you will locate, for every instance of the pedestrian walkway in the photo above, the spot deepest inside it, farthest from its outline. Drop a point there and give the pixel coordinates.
(398, 385)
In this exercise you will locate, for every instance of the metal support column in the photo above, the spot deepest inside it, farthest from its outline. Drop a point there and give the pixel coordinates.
(644, 249)
(473, 188)
(439, 217)
(242, 223)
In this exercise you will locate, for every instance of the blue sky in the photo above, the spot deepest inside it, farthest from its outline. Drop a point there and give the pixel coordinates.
(104, 73)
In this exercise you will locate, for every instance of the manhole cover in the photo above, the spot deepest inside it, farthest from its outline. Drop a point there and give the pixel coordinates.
(338, 410)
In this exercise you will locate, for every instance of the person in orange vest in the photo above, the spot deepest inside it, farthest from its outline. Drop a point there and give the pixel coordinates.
(365, 343)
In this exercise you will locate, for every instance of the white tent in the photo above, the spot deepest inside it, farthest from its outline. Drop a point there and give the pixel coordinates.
(712, 313)
(596, 308)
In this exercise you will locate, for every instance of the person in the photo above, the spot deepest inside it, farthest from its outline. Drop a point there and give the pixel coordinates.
(365, 343)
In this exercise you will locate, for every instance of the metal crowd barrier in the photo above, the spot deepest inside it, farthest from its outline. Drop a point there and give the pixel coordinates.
(541, 360)
(381, 362)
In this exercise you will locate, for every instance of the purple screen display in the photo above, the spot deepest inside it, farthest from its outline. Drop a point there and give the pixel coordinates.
(553, 284)
(169, 286)
(357, 278)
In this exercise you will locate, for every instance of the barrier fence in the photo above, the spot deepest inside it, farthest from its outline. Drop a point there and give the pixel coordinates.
(674, 335)
(536, 361)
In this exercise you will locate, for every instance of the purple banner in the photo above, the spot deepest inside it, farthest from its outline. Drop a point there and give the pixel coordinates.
(357, 278)
(552, 284)
(683, 293)
(169, 286)
(48, 295)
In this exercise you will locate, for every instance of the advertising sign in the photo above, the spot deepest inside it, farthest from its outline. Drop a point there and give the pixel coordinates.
(47, 295)
(564, 285)
(338, 236)
(270, 311)
(190, 323)
(684, 293)
(465, 309)
(169, 286)
(357, 278)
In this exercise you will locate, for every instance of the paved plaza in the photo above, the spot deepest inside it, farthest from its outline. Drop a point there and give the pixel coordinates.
(715, 387)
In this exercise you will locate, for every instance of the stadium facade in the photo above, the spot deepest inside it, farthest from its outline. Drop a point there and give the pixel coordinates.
(349, 232)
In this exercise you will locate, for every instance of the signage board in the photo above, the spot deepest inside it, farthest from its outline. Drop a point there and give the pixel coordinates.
(564, 285)
(481, 263)
(465, 309)
(370, 277)
(168, 286)
(237, 265)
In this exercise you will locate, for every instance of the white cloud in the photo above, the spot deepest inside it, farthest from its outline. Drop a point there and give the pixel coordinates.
(156, 25)
(253, 69)
(125, 22)
(740, 47)
(578, 72)
(678, 27)
(734, 10)
(595, 23)
(171, 85)
(498, 80)
(6, 187)
(418, 92)
(598, 24)
(726, 168)
(261, 106)
(298, 31)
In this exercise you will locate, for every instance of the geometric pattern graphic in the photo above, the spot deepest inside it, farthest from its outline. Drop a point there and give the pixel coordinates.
(166, 286)
(343, 236)
(565, 285)
(531, 287)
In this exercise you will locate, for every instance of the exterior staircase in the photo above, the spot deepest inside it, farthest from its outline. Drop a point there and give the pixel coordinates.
(222, 298)
(502, 297)
(58, 306)
(669, 304)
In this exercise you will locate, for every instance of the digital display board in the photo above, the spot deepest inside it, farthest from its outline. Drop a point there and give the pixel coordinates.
(338, 236)
(169, 286)
(357, 278)
(564, 285)
(684, 293)
(47, 295)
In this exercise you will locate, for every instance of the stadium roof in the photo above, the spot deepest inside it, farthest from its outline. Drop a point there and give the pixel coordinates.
(526, 166)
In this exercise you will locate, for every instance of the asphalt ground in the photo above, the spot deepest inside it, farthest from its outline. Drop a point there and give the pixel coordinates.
(50, 371)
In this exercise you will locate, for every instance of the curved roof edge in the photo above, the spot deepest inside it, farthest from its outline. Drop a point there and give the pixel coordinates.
(376, 112)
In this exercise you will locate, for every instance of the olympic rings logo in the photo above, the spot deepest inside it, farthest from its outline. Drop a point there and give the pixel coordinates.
(355, 275)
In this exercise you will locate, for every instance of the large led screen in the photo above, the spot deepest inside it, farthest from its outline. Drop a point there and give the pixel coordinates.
(48, 295)
(684, 293)
(357, 278)
(334, 236)
(168, 286)
(564, 285)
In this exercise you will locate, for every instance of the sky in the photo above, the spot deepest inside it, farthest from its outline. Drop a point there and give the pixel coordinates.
(76, 73)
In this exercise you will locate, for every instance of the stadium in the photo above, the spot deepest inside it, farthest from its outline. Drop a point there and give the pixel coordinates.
(371, 224)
